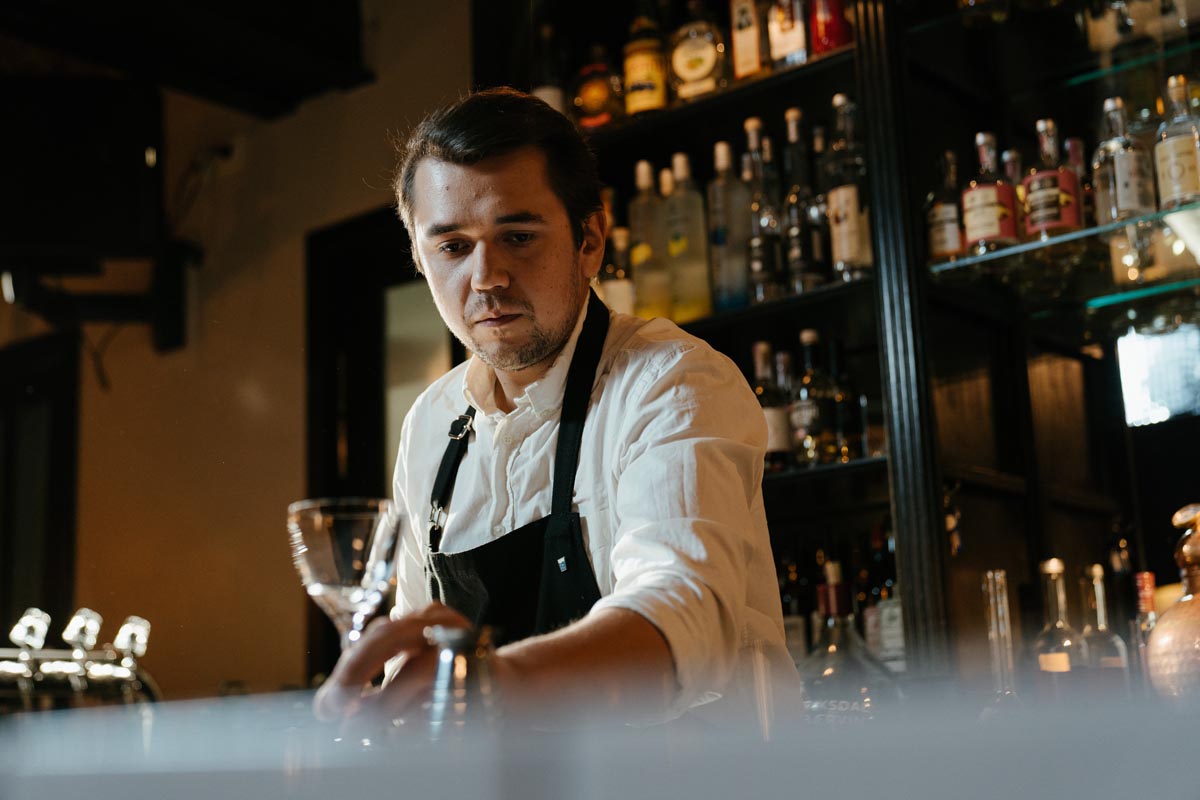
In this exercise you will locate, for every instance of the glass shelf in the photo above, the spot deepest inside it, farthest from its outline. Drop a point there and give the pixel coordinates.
(758, 315)
(748, 90)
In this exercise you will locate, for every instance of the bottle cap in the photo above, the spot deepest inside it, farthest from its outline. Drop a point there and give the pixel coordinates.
(1177, 88)
(666, 182)
(1184, 517)
(833, 572)
(984, 138)
(1046, 126)
(681, 167)
(840, 100)
(1010, 155)
(1052, 566)
(644, 175)
(722, 156)
(1113, 104)
(752, 124)
(792, 115)
(809, 336)
(1094, 571)
(620, 238)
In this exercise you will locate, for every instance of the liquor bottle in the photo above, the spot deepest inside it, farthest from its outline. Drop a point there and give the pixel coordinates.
(748, 35)
(941, 214)
(687, 245)
(795, 624)
(1076, 160)
(1060, 654)
(847, 199)
(989, 203)
(803, 272)
(812, 407)
(1052, 203)
(697, 55)
(982, 13)
(616, 280)
(818, 212)
(848, 406)
(828, 28)
(1142, 626)
(843, 683)
(785, 31)
(599, 98)
(1000, 644)
(1177, 152)
(728, 232)
(1014, 173)
(1173, 650)
(547, 70)
(1108, 658)
(771, 180)
(1122, 172)
(775, 409)
(645, 63)
(648, 247)
(763, 246)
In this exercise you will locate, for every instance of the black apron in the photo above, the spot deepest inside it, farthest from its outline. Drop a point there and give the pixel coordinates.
(537, 578)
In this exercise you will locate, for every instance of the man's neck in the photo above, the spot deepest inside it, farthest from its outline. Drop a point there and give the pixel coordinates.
(511, 384)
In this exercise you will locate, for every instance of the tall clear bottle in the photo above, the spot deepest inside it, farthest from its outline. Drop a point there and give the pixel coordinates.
(1000, 642)
(813, 407)
(989, 203)
(775, 409)
(687, 246)
(616, 279)
(803, 272)
(1108, 658)
(1177, 152)
(1122, 171)
(763, 246)
(848, 199)
(843, 682)
(728, 232)
(648, 247)
(1059, 653)
(821, 252)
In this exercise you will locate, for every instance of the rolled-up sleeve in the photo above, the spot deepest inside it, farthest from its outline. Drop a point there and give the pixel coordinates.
(688, 494)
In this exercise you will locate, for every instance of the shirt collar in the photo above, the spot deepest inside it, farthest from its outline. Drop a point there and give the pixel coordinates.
(543, 396)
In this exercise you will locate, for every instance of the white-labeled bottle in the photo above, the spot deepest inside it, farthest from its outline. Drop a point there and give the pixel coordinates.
(728, 232)
(648, 247)
(616, 279)
(1177, 153)
(687, 245)
(847, 201)
(1122, 173)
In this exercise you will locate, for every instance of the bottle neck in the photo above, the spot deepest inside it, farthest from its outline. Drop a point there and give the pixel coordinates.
(995, 589)
(1048, 148)
(1096, 605)
(949, 173)
(987, 160)
(762, 365)
(1117, 123)
(1178, 100)
(1055, 596)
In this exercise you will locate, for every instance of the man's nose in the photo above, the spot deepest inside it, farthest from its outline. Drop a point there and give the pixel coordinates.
(488, 272)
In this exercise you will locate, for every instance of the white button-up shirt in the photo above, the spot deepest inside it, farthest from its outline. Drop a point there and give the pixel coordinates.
(669, 488)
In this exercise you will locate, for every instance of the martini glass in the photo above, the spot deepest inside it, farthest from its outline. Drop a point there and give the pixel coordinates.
(345, 551)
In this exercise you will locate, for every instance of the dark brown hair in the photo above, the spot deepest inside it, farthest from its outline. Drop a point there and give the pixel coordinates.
(496, 122)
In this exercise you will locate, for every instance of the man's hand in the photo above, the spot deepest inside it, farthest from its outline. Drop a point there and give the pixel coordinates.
(344, 694)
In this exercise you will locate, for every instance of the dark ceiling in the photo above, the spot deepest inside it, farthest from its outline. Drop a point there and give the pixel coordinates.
(263, 57)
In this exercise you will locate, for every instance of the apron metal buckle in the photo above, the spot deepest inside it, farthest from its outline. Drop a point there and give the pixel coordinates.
(461, 427)
(437, 516)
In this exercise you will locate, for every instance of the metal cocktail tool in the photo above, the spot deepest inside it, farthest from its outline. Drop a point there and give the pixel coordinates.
(464, 696)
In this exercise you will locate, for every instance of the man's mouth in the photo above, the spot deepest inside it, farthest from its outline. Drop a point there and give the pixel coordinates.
(497, 320)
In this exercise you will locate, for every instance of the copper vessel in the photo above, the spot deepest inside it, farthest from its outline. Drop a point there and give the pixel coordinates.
(1173, 652)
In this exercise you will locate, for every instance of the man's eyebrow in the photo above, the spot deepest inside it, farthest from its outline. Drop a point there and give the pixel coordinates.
(445, 227)
(519, 217)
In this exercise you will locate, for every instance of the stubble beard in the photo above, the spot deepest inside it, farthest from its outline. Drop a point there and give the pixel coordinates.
(542, 343)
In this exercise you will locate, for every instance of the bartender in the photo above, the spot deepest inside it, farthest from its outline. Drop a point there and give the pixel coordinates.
(588, 483)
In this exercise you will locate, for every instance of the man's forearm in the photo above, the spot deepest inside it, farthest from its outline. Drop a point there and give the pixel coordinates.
(613, 661)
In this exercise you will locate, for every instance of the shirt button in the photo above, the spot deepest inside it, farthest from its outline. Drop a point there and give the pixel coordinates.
(508, 439)
(497, 529)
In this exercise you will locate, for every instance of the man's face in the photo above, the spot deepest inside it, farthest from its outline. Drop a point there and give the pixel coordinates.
(496, 247)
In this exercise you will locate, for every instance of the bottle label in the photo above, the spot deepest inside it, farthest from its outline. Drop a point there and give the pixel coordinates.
(1134, 179)
(1112, 662)
(1051, 201)
(786, 33)
(1054, 662)
(848, 227)
(1177, 160)
(694, 62)
(645, 81)
(1144, 581)
(989, 213)
(746, 39)
(640, 253)
(805, 415)
(677, 245)
(891, 633)
(779, 429)
(944, 236)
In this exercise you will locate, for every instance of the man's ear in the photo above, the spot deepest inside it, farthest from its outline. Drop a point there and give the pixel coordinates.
(591, 250)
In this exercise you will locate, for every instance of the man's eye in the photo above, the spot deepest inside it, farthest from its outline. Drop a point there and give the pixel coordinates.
(521, 237)
(451, 248)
